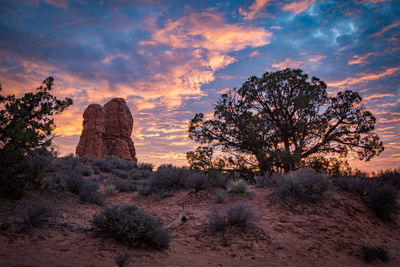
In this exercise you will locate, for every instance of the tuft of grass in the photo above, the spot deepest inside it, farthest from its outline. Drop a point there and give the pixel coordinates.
(303, 186)
(220, 196)
(238, 186)
(123, 259)
(238, 215)
(132, 226)
(110, 190)
(370, 254)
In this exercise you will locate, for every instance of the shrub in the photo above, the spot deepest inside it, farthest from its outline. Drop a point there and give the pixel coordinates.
(391, 177)
(237, 215)
(89, 192)
(369, 254)
(35, 215)
(120, 173)
(379, 196)
(196, 181)
(132, 226)
(238, 186)
(123, 185)
(263, 180)
(137, 174)
(166, 178)
(110, 190)
(111, 162)
(217, 179)
(220, 196)
(304, 185)
(145, 166)
(122, 259)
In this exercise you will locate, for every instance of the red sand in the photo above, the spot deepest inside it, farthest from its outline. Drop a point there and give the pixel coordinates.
(331, 234)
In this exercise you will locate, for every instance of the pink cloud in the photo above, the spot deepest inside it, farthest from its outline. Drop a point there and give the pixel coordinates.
(385, 29)
(254, 9)
(356, 59)
(298, 7)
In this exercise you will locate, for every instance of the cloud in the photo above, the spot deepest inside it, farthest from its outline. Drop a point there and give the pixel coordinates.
(376, 96)
(254, 9)
(309, 62)
(385, 29)
(58, 3)
(356, 59)
(364, 77)
(298, 7)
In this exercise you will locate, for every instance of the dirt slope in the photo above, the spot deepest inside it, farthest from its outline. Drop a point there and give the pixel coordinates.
(327, 235)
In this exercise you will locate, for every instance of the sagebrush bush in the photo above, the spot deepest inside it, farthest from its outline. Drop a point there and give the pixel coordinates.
(122, 259)
(86, 190)
(238, 186)
(391, 177)
(166, 178)
(132, 226)
(138, 174)
(379, 196)
(123, 185)
(220, 196)
(370, 253)
(236, 215)
(111, 162)
(145, 166)
(34, 215)
(217, 179)
(120, 173)
(304, 185)
(110, 190)
(197, 181)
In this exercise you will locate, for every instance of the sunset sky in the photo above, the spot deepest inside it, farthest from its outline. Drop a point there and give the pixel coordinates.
(172, 59)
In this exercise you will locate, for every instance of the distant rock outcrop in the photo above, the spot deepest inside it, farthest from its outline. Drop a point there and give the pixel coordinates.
(107, 131)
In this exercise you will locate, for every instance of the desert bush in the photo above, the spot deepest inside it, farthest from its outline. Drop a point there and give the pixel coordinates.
(110, 190)
(123, 185)
(166, 178)
(111, 162)
(132, 226)
(138, 174)
(197, 181)
(74, 183)
(220, 196)
(123, 259)
(89, 192)
(237, 186)
(304, 185)
(237, 215)
(370, 254)
(391, 177)
(145, 166)
(379, 196)
(120, 173)
(217, 179)
(263, 180)
(34, 215)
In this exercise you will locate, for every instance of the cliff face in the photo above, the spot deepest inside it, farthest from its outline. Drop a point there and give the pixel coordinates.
(107, 131)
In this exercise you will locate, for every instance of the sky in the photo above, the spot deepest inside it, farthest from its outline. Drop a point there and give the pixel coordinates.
(172, 59)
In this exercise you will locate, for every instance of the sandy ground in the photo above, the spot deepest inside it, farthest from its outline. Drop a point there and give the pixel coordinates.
(327, 235)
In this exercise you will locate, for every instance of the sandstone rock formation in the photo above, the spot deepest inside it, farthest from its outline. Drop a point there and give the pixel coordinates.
(107, 131)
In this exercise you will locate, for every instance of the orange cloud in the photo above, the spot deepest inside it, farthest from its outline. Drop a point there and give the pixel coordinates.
(287, 63)
(298, 7)
(377, 96)
(254, 9)
(356, 59)
(385, 29)
(364, 78)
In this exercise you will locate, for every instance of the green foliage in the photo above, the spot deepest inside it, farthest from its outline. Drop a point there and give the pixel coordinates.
(282, 118)
(132, 226)
(122, 185)
(110, 190)
(122, 259)
(238, 215)
(220, 196)
(237, 186)
(26, 125)
(111, 163)
(302, 186)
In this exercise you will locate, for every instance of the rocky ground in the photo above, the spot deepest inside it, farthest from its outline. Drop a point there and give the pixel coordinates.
(331, 234)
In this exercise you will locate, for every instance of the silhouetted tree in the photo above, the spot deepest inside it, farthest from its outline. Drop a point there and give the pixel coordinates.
(26, 126)
(282, 118)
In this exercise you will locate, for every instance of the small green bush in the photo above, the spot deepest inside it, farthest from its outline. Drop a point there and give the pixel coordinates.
(302, 186)
(123, 259)
(120, 173)
(123, 185)
(86, 190)
(166, 178)
(111, 162)
(132, 226)
(238, 186)
(110, 190)
(370, 254)
(220, 196)
(237, 215)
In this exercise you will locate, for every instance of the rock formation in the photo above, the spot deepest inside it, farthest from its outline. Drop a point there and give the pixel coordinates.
(107, 131)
